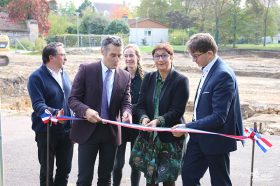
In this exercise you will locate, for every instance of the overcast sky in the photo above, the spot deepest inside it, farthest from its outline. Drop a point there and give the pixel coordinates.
(78, 3)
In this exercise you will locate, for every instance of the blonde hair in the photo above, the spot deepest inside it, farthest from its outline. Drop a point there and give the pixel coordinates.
(137, 52)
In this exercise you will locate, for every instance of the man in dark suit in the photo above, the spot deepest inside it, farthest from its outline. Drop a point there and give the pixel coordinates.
(100, 91)
(49, 88)
(216, 109)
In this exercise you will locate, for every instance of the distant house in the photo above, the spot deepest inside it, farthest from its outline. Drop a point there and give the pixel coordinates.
(276, 38)
(147, 32)
(18, 30)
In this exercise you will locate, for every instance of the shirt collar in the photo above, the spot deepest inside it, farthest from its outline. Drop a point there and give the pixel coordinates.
(53, 72)
(104, 68)
(208, 67)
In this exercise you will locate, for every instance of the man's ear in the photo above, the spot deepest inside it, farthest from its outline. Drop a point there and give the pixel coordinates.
(102, 50)
(51, 57)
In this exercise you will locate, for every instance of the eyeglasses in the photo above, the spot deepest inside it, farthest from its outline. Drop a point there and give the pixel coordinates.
(163, 57)
(196, 56)
(61, 55)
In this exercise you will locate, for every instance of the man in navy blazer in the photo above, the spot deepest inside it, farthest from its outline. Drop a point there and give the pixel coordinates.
(86, 100)
(216, 109)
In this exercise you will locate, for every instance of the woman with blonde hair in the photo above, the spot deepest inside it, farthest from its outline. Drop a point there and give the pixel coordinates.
(133, 66)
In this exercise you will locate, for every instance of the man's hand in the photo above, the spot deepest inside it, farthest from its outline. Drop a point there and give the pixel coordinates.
(61, 113)
(126, 117)
(92, 116)
(178, 134)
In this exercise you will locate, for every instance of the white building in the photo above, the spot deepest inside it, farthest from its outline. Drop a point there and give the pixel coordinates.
(147, 32)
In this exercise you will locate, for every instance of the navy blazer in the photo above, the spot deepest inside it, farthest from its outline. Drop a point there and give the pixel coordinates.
(218, 110)
(172, 102)
(87, 93)
(46, 93)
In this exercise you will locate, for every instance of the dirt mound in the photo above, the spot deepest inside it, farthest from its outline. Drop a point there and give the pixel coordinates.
(258, 79)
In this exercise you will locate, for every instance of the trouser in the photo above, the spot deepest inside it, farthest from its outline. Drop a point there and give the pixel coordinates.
(119, 164)
(196, 163)
(102, 142)
(60, 150)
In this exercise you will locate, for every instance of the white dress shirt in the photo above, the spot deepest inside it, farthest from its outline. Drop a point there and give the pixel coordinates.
(205, 71)
(57, 77)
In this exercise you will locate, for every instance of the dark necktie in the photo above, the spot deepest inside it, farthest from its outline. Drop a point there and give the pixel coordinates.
(105, 105)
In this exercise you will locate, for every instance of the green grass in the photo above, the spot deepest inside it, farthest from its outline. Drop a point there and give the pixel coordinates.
(149, 49)
(259, 47)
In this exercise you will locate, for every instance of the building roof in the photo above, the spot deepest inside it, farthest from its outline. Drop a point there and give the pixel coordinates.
(8, 25)
(145, 23)
(108, 8)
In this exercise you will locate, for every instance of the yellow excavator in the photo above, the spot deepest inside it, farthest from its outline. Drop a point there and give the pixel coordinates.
(4, 47)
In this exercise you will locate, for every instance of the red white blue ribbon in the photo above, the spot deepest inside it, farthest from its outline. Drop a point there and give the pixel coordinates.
(249, 133)
(261, 142)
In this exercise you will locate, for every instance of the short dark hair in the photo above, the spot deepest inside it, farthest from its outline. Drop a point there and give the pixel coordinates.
(202, 42)
(114, 40)
(50, 50)
(164, 46)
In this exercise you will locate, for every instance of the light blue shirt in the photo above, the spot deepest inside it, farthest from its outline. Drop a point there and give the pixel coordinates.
(110, 80)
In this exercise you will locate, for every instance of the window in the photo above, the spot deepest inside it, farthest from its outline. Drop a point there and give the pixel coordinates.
(147, 32)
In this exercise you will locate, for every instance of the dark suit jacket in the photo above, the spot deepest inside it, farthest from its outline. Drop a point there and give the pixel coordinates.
(218, 110)
(172, 102)
(87, 93)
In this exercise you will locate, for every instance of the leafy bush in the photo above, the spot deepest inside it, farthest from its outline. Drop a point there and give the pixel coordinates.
(40, 43)
(117, 26)
(178, 37)
(26, 43)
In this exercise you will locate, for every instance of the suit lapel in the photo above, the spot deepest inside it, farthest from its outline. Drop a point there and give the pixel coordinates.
(99, 81)
(209, 75)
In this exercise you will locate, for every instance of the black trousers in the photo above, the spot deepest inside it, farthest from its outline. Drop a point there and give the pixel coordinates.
(118, 166)
(195, 164)
(102, 142)
(61, 150)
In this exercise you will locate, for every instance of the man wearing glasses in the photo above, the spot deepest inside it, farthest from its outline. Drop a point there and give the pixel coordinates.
(49, 88)
(216, 109)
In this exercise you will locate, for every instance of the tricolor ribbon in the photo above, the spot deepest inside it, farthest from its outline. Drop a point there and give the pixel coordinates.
(250, 134)
(261, 142)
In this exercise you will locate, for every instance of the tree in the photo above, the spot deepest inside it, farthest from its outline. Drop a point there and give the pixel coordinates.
(178, 20)
(93, 24)
(117, 27)
(4, 2)
(267, 6)
(156, 10)
(69, 9)
(21, 10)
(58, 24)
(86, 4)
(219, 7)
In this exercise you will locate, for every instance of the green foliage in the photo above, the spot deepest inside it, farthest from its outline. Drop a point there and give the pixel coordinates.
(4, 2)
(93, 24)
(117, 26)
(86, 4)
(26, 43)
(40, 43)
(178, 37)
(155, 10)
(69, 9)
(58, 24)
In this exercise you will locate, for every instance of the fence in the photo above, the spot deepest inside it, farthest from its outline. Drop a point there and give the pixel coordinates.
(73, 40)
